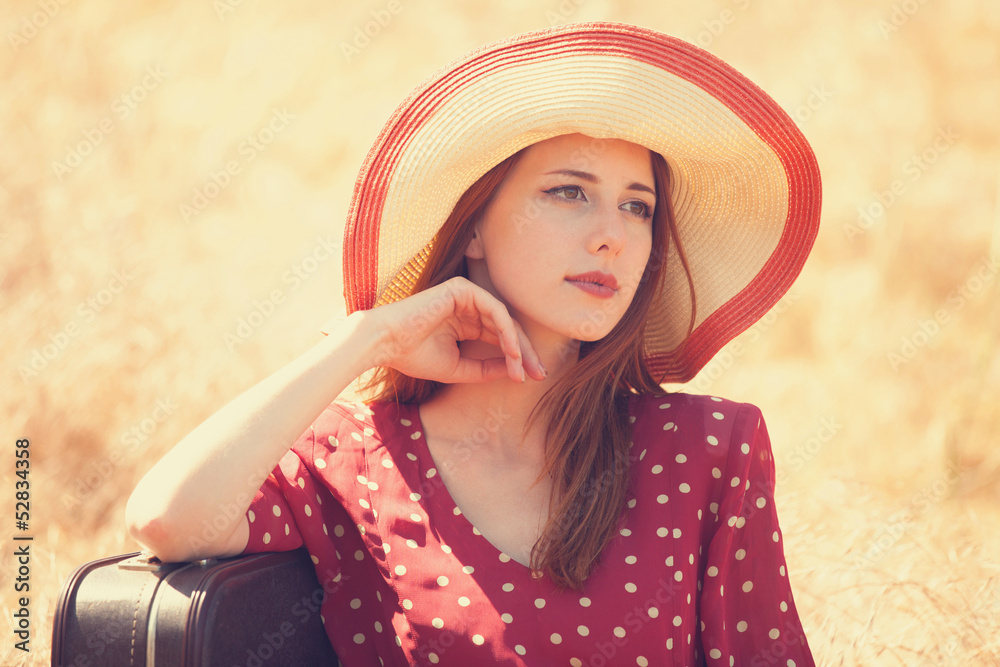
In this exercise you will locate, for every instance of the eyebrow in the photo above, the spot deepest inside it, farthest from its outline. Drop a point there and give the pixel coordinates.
(590, 178)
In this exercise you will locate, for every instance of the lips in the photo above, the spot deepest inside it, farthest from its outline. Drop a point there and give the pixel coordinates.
(596, 283)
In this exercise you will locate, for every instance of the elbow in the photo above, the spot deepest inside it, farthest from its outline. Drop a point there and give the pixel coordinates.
(155, 533)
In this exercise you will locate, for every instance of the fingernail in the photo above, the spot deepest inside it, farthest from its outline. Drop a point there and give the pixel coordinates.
(523, 376)
(545, 371)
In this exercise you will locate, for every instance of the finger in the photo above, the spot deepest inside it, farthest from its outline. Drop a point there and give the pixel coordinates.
(478, 370)
(495, 322)
(531, 360)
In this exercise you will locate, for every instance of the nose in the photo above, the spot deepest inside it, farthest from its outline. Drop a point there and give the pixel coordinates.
(608, 232)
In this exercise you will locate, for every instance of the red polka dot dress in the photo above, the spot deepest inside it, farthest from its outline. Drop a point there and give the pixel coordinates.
(696, 577)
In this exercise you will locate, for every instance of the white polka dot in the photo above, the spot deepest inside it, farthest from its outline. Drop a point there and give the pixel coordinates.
(678, 575)
(464, 601)
(406, 422)
(677, 621)
(475, 531)
(631, 503)
(431, 472)
(670, 561)
(359, 638)
(712, 440)
(740, 522)
(458, 512)
(319, 501)
(478, 640)
(445, 548)
(716, 399)
(415, 435)
(653, 612)
(662, 498)
(662, 531)
(657, 469)
(369, 431)
(504, 558)
(364, 503)
(712, 571)
(664, 406)
(301, 482)
(715, 653)
(267, 538)
(356, 436)
(625, 532)
(630, 560)
(641, 661)
(741, 626)
(584, 602)
(338, 530)
(412, 544)
(747, 586)
(411, 456)
(761, 502)
(774, 633)
(386, 547)
(718, 415)
(520, 650)
(774, 536)
(437, 623)
(539, 602)
(276, 510)
(355, 603)
(556, 638)
(732, 521)
(783, 606)
(741, 554)
(320, 464)
(415, 497)
(315, 560)
(506, 618)
(668, 426)
(442, 580)
(677, 533)
(373, 486)
(619, 632)
(400, 570)
(680, 458)
(433, 657)
(713, 508)
(716, 473)
(745, 448)
(670, 643)
(631, 588)
(735, 482)
(790, 663)
(333, 443)
(308, 510)
(386, 463)
(468, 569)
(583, 630)
(362, 479)
(251, 516)
(415, 517)
(781, 570)
(684, 487)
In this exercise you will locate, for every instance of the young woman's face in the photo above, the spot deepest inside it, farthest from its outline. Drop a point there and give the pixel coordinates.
(566, 238)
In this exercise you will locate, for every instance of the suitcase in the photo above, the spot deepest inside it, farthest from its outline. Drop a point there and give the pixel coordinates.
(250, 611)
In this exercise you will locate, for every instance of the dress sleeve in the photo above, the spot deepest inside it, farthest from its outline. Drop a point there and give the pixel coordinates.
(747, 612)
(285, 502)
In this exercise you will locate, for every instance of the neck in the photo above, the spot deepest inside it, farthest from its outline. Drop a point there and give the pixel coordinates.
(493, 417)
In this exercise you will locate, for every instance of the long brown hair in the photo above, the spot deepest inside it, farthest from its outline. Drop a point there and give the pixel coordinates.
(587, 439)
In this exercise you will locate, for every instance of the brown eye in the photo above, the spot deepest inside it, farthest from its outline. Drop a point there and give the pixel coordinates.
(638, 208)
(572, 192)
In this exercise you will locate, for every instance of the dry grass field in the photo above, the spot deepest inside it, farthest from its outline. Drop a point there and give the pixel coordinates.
(174, 174)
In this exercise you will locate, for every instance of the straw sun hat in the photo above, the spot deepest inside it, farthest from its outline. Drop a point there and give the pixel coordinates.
(746, 186)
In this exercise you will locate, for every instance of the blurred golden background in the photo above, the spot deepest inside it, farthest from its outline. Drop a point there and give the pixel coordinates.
(174, 178)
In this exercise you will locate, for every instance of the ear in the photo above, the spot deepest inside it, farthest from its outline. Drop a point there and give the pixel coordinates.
(475, 248)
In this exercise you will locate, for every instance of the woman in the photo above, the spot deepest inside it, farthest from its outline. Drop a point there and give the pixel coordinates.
(544, 232)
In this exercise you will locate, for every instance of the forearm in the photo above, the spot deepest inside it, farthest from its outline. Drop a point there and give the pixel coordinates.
(210, 477)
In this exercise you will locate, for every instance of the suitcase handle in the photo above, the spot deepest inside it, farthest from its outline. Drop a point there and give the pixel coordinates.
(147, 562)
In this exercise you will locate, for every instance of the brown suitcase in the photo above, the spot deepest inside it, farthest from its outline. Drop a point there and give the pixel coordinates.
(250, 611)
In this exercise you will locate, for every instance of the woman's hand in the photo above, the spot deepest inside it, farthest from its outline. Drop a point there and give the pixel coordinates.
(419, 336)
